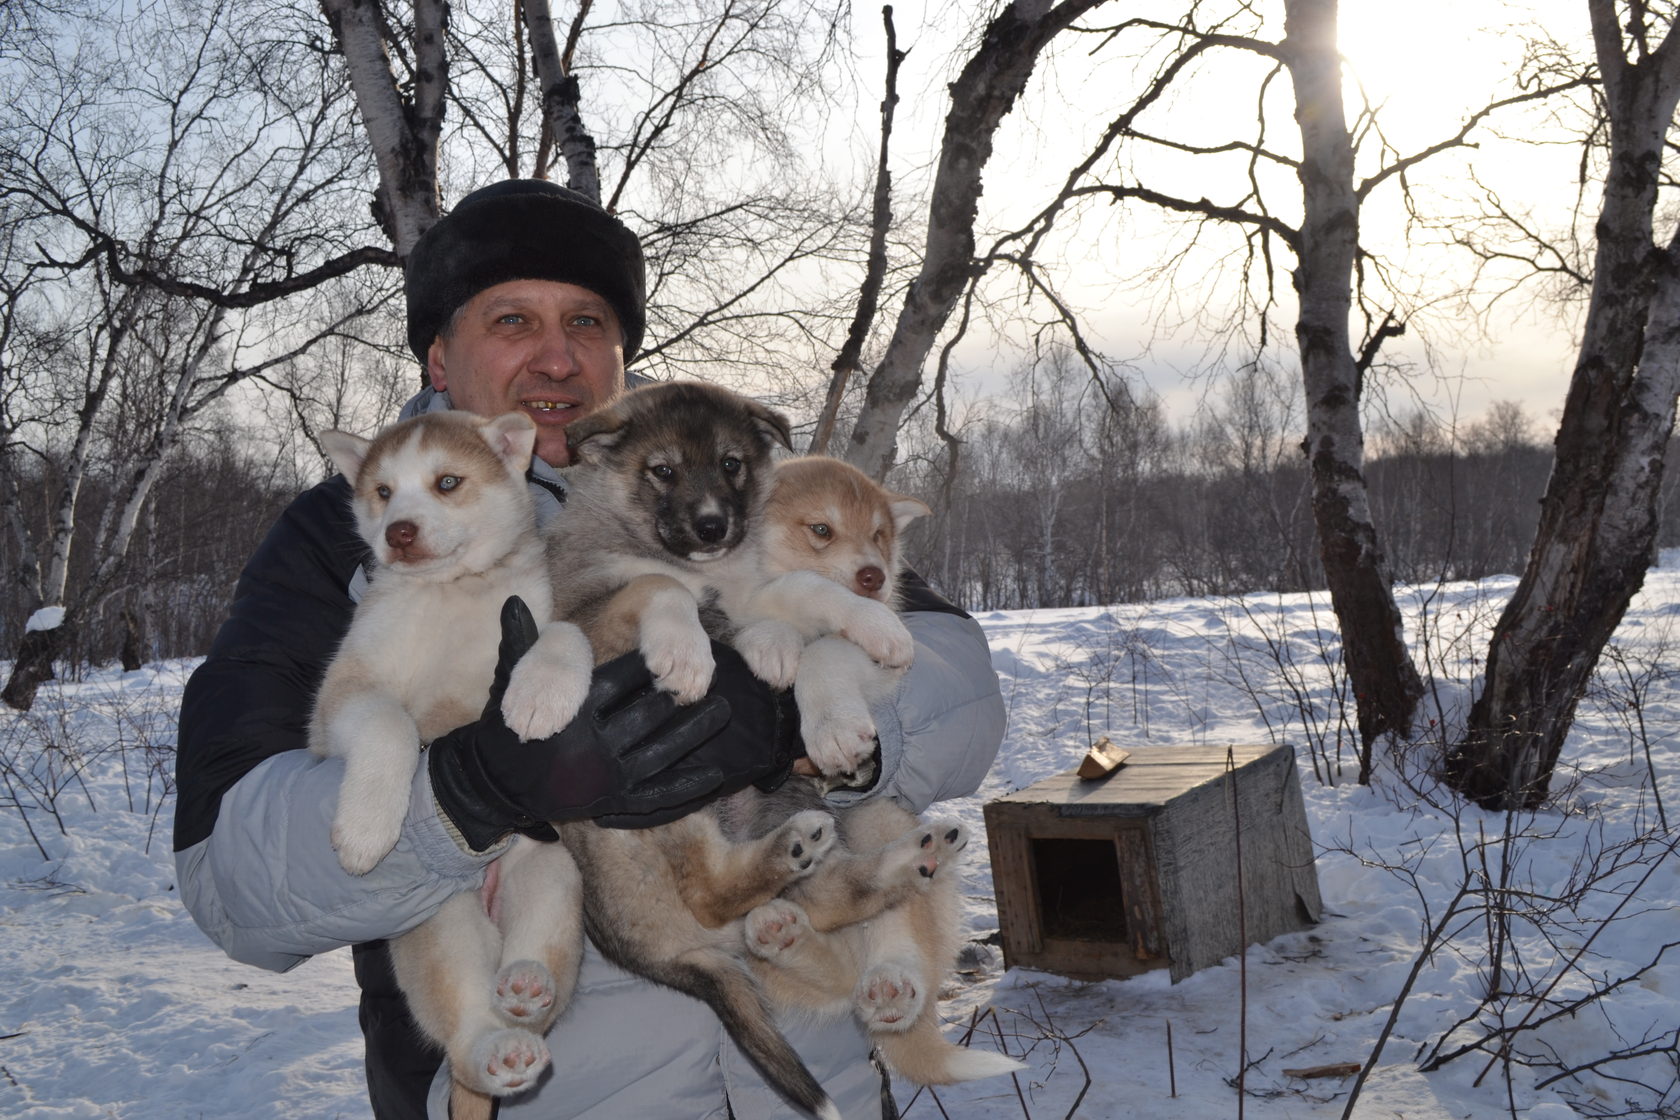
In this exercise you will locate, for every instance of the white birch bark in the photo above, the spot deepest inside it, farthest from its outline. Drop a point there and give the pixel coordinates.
(403, 130)
(560, 97)
(981, 97)
(1598, 518)
(1386, 684)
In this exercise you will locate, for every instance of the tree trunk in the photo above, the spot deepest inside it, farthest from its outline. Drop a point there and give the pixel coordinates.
(33, 667)
(981, 96)
(849, 360)
(403, 127)
(133, 653)
(1386, 684)
(1598, 519)
(560, 96)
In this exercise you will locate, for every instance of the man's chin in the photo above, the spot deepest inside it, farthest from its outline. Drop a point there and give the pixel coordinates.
(551, 447)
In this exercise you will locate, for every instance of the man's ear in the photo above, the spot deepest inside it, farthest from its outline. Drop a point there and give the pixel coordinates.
(348, 452)
(435, 370)
(512, 436)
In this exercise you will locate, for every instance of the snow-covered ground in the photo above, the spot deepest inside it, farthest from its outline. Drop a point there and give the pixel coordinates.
(112, 1004)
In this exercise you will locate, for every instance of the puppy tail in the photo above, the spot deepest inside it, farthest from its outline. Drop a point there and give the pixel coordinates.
(734, 995)
(925, 1056)
(468, 1104)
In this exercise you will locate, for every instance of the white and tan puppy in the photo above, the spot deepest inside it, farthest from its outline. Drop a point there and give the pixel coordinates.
(875, 928)
(824, 620)
(441, 501)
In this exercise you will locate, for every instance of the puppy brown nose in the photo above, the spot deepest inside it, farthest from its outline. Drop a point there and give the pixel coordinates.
(871, 579)
(401, 534)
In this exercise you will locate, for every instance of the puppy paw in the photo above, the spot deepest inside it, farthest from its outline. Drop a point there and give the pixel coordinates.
(880, 633)
(838, 739)
(804, 840)
(524, 993)
(680, 658)
(361, 844)
(915, 859)
(549, 683)
(775, 928)
(506, 1061)
(940, 842)
(889, 997)
(771, 650)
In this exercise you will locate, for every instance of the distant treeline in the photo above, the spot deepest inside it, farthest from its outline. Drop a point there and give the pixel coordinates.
(1087, 506)
(1053, 509)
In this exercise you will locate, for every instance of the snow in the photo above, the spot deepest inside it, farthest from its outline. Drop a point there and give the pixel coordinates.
(115, 1005)
(47, 618)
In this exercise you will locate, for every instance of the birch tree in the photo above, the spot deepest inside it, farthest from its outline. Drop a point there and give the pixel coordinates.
(1598, 519)
(985, 91)
(154, 242)
(685, 120)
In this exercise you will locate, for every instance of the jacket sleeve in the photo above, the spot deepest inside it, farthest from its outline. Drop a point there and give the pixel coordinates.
(941, 732)
(253, 807)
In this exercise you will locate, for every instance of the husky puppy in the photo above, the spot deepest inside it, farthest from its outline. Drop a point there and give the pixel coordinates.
(876, 926)
(441, 501)
(666, 532)
(667, 482)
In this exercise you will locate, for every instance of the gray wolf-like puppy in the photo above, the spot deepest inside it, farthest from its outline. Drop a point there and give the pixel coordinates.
(667, 482)
(441, 501)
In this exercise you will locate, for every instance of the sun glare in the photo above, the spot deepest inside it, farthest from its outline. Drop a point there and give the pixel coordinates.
(1416, 63)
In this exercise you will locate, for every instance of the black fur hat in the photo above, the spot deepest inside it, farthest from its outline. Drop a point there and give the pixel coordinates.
(523, 229)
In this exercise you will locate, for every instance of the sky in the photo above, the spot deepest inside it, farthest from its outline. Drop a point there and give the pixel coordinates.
(1425, 65)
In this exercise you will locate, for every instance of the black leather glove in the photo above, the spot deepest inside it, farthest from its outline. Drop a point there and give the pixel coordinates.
(758, 746)
(630, 753)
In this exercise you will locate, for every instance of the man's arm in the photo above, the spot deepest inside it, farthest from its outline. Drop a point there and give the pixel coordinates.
(942, 729)
(254, 807)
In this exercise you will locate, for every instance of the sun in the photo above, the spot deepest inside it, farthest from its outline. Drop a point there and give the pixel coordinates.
(1416, 63)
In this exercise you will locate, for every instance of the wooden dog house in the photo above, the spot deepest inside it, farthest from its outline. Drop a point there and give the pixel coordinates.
(1136, 871)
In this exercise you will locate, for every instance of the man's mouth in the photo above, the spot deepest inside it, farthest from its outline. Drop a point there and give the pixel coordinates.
(549, 408)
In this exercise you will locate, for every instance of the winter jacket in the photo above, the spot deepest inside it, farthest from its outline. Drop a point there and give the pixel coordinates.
(258, 873)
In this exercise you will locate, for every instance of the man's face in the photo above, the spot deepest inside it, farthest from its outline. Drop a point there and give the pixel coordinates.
(550, 350)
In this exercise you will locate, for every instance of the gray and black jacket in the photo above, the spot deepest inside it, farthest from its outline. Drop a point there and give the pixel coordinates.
(258, 873)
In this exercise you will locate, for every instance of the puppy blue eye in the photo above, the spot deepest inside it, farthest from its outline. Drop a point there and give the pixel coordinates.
(383, 491)
(448, 482)
(822, 530)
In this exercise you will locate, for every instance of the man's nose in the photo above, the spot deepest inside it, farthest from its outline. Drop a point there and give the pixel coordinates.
(555, 355)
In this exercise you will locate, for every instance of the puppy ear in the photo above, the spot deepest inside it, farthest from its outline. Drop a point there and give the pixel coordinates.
(906, 509)
(512, 436)
(771, 424)
(348, 452)
(590, 438)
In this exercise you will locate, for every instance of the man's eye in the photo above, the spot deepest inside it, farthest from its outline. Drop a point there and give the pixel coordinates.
(448, 482)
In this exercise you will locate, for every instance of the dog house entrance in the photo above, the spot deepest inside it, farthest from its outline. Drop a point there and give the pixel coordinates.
(1080, 897)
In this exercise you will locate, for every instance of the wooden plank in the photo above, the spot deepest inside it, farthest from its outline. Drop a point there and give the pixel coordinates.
(1103, 759)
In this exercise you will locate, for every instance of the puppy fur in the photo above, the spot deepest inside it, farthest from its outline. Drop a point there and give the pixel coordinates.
(875, 927)
(667, 482)
(442, 503)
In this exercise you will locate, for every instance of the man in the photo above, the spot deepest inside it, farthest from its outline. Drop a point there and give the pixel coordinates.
(526, 296)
